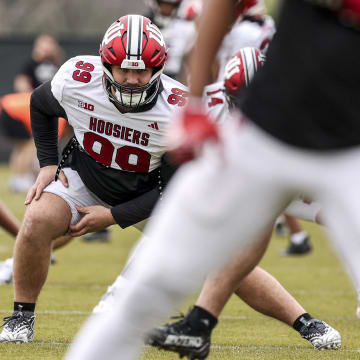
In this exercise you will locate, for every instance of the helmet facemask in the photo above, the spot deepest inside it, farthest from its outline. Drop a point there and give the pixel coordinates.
(130, 96)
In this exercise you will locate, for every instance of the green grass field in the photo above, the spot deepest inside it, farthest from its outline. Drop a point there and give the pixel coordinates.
(83, 272)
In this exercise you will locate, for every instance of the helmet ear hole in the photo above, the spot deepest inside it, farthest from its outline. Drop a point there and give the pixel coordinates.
(155, 53)
(112, 51)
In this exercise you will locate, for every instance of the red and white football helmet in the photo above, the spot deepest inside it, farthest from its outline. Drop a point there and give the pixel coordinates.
(132, 42)
(257, 9)
(240, 70)
(254, 8)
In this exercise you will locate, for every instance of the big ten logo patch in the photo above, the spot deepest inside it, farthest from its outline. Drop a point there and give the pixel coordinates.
(86, 106)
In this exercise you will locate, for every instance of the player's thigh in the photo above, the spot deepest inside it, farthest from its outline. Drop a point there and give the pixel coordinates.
(49, 215)
(76, 194)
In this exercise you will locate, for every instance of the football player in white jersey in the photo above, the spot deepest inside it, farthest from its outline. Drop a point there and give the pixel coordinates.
(176, 20)
(253, 28)
(119, 105)
(191, 335)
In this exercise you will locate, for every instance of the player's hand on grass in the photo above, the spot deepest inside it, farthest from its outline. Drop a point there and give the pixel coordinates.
(95, 218)
(191, 131)
(45, 177)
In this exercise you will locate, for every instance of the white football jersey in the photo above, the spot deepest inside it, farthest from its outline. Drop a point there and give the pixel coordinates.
(245, 33)
(215, 101)
(130, 141)
(179, 37)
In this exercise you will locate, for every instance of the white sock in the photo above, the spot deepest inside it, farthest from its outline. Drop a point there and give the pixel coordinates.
(298, 238)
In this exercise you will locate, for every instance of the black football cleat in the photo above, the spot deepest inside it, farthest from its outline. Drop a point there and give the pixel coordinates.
(181, 338)
(298, 249)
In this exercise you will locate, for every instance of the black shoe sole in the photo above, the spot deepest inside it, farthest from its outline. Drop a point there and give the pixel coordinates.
(192, 354)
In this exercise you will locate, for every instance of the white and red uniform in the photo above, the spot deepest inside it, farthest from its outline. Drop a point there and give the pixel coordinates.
(121, 151)
(179, 37)
(215, 101)
(102, 130)
(246, 32)
(180, 34)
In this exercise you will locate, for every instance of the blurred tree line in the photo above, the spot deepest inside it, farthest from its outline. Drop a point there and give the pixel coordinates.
(68, 18)
(63, 18)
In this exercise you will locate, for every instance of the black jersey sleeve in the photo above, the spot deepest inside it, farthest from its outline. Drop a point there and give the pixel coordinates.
(45, 111)
(140, 208)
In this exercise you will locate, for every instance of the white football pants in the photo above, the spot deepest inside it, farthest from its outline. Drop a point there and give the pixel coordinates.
(213, 207)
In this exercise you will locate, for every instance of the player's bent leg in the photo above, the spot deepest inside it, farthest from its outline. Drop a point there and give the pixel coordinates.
(42, 223)
(299, 238)
(265, 294)
(191, 335)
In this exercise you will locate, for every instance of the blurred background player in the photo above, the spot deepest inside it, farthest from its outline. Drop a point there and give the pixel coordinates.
(11, 225)
(252, 28)
(45, 60)
(299, 239)
(255, 28)
(176, 20)
(15, 126)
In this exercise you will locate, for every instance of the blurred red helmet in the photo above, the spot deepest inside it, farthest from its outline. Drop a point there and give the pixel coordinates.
(240, 70)
(132, 42)
(251, 8)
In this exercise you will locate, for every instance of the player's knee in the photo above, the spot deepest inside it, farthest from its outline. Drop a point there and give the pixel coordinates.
(34, 224)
